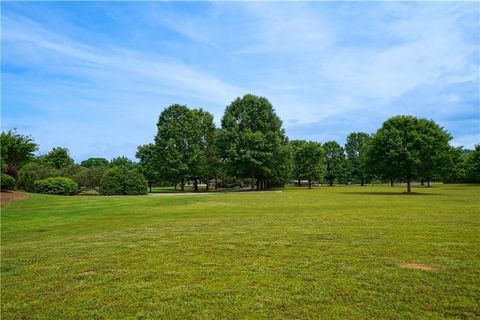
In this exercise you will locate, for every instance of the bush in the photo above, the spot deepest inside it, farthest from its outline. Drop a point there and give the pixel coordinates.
(123, 180)
(89, 178)
(56, 185)
(8, 183)
(32, 172)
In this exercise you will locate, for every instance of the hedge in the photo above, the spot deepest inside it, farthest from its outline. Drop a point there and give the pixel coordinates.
(56, 185)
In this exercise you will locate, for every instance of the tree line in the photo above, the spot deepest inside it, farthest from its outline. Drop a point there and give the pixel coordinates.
(250, 148)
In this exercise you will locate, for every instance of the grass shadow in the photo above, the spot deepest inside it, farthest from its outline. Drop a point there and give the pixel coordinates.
(393, 193)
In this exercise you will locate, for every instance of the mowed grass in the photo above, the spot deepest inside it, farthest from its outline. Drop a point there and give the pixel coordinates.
(326, 253)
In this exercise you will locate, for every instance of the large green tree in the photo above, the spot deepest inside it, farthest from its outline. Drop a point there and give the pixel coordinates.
(403, 147)
(308, 161)
(355, 149)
(184, 143)
(252, 140)
(16, 149)
(334, 160)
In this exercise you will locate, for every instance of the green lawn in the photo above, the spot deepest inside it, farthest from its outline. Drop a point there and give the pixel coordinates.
(326, 253)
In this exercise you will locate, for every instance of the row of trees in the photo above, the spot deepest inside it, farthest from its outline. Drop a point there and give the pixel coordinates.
(251, 148)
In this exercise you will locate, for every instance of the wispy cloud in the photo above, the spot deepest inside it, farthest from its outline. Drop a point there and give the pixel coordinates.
(95, 76)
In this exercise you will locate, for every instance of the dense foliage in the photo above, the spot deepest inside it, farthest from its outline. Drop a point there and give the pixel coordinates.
(252, 139)
(16, 149)
(408, 147)
(8, 183)
(122, 180)
(94, 162)
(56, 185)
(308, 161)
(184, 144)
(355, 150)
(250, 149)
(58, 158)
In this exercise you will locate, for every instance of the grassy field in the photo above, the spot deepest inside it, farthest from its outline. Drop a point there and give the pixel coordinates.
(326, 253)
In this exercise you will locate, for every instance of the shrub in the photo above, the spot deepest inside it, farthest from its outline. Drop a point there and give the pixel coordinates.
(123, 180)
(8, 183)
(56, 185)
(32, 172)
(89, 178)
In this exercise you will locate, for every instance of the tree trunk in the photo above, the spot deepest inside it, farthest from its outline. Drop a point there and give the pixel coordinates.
(391, 182)
(363, 181)
(421, 182)
(206, 184)
(299, 183)
(182, 184)
(258, 184)
(216, 183)
(195, 184)
(330, 182)
(428, 183)
(150, 186)
(409, 187)
(253, 182)
(309, 184)
(175, 186)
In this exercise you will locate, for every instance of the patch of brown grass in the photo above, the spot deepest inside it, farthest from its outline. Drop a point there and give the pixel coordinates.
(418, 266)
(9, 196)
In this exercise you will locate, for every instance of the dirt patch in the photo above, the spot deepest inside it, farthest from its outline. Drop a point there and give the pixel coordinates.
(418, 266)
(9, 196)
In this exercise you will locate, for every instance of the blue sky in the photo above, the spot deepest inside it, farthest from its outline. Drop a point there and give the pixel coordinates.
(94, 76)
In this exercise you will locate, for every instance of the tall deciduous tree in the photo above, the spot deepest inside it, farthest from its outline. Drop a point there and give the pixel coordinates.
(175, 144)
(148, 162)
(94, 162)
(334, 160)
(252, 139)
(203, 158)
(435, 155)
(122, 161)
(403, 147)
(16, 149)
(355, 149)
(473, 165)
(58, 158)
(308, 161)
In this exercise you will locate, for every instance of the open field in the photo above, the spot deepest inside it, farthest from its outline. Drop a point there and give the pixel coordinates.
(329, 253)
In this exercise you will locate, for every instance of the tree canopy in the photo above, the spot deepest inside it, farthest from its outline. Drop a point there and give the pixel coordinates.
(252, 138)
(16, 149)
(355, 149)
(334, 160)
(58, 158)
(308, 161)
(407, 147)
